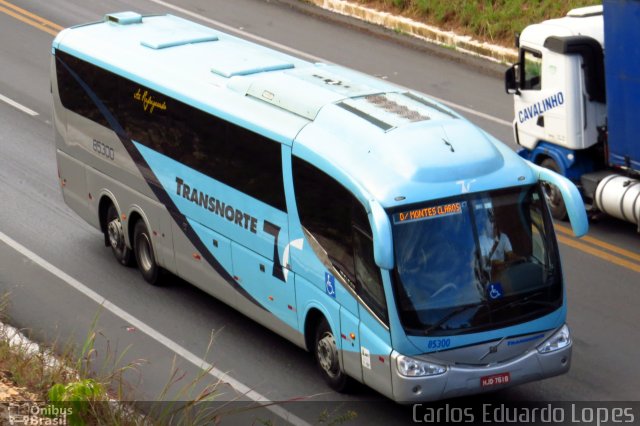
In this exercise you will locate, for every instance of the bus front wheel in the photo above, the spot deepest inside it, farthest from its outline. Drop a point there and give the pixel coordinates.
(115, 237)
(328, 359)
(145, 256)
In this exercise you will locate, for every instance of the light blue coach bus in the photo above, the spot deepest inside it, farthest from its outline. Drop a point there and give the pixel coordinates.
(403, 246)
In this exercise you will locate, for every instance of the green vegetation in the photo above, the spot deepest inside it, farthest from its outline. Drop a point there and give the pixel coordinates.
(76, 398)
(76, 386)
(67, 383)
(496, 21)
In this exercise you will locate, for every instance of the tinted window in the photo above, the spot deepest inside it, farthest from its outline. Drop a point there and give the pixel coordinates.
(368, 278)
(231, 154)
(325, 208)
(339, 224)
(102, 84)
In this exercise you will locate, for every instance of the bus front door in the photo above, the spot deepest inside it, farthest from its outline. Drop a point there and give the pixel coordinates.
(375, 353)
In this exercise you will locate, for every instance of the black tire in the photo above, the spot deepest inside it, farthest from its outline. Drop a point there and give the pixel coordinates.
(327, 358)
(145, 257)
(554, 197)
(114, 235)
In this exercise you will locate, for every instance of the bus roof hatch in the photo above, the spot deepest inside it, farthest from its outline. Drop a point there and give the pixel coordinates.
(164, 40)
(124, 18)
(232, 60)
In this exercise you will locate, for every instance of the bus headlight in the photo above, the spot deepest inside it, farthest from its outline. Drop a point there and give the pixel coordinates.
(561, 339)
(411, 367)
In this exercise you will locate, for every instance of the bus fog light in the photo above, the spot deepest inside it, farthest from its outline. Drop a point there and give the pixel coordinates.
(411, 367)
(561, 339)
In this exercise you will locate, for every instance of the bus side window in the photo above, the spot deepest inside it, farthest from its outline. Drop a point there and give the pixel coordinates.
(238, 157)
(324, 207)
(368, 278)
(224, 151)
(339, 223)
(73, 95)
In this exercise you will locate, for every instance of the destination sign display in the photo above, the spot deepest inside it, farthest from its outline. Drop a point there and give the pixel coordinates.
(429, 212)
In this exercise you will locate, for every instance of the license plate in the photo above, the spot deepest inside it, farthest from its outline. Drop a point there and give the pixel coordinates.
(495, 379)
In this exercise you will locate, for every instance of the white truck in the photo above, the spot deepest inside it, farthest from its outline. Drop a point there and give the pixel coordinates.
(576, 91)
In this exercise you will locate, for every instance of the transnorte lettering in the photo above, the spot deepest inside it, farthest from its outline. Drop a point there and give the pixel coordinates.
(216, 206)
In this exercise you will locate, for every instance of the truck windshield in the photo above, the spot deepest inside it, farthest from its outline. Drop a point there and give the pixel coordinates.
(475, 263)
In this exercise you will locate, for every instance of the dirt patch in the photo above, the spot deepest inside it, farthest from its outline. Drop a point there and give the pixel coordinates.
(11, 392)
(11, 396)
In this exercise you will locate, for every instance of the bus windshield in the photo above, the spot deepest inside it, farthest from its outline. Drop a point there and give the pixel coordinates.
(476, 262)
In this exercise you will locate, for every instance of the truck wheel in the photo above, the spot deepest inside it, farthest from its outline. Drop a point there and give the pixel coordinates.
(145, 256)
(328, 358)
(554, 197)
(115, 236)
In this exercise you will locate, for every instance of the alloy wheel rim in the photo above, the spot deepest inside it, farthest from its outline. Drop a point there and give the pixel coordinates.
(327, 355)
(116, 237)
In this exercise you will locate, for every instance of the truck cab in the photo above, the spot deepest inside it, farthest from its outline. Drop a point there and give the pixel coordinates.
(559, 94)
(572, 118)
(558, 83)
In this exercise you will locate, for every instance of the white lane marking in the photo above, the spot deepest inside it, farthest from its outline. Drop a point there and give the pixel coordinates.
(151, 332)
(308, 56)
(474, 112)
(17, 105)
(237, 31)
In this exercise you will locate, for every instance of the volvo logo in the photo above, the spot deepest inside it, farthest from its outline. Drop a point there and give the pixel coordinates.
(492, 349)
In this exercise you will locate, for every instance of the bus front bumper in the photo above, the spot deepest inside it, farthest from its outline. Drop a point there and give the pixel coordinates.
(459, 380)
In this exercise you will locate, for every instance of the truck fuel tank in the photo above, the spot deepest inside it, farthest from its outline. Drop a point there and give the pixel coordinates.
(619, 196)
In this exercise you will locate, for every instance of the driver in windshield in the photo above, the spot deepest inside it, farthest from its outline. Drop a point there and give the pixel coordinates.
(495, 246)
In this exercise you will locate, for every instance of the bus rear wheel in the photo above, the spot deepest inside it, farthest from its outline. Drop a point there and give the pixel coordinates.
(328, 359)
(554, 197)
(145, 256)
(115, 236)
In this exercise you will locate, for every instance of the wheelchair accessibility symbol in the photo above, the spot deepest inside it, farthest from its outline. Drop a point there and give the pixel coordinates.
(330, 284)
(495, 291)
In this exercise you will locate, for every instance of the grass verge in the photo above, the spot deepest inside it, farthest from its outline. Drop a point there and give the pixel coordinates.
(495, 21)
(69, 388)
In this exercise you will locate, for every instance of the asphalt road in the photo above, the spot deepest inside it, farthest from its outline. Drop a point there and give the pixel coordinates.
(602, 271)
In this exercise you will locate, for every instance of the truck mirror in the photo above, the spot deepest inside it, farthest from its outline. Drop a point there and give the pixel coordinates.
(571, 197)
(511, 80)
(382, 237)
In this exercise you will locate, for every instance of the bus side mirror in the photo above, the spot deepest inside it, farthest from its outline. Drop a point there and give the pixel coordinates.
(511, 80)
(571, 197)
(382, 236)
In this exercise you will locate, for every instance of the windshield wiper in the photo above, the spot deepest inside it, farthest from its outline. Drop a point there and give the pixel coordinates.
(525, 300)
(455, 312)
